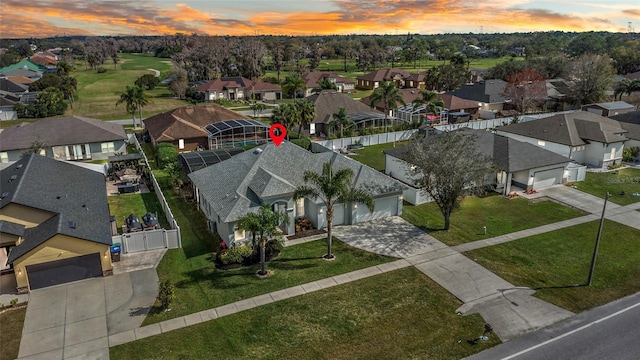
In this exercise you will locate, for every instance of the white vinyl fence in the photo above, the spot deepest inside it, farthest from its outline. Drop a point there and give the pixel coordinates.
(148, 240)
(493, 123)
(366, 140)
(163, 201)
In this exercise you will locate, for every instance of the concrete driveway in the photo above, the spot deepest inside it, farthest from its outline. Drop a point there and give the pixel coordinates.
(73, 321)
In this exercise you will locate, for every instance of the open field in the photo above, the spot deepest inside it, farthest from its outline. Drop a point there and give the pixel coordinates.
(553, 262)
(397, 315)
(499, 214)
(615, 182)
(98, 93)
(11, 322)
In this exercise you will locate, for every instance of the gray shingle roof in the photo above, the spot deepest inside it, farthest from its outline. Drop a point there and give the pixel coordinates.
(60, 131)
(613, 105)
(235, 186)
(488, 91)
(8, 227)
(329, 102)
(630, 122)
(507, 154)
(76, 198)
(571, 129)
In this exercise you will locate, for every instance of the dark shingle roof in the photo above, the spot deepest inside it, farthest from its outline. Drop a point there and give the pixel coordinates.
(8, 227)
(630, 122)
(507, 154)
(488, 91)
(571, 129)
(60, 131)
(329, 102)
(235, 186)
(76, 198)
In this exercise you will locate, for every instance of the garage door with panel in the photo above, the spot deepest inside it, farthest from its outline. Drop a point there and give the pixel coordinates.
(64, 271)
(338, 214)
(384, 207)
(546, 178)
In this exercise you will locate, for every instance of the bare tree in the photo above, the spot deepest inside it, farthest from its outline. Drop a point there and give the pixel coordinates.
(525, 89)
(590, 76)
(447, 166)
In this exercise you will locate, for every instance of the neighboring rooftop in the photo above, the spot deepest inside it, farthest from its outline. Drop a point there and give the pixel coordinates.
(75, 197)
(507, 154)
(613, 105)
(486, 91)
(572, 129)
(384, 75)
(60, 131)
(329, 102)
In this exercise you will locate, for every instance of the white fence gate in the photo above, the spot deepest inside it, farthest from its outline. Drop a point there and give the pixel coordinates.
(148, 240)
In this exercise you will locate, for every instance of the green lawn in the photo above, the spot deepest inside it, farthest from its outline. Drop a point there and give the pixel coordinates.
(556, 260)
(397, 315)
(11, 322)
(500, 215)
(627, 180)
(373, 155)
(121, 206)
(199, 285)
(97, 93)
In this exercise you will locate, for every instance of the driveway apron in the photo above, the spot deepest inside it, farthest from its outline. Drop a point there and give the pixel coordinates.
(73, 321)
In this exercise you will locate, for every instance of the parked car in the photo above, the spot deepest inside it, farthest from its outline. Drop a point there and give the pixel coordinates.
(133, 223)
(150, 221)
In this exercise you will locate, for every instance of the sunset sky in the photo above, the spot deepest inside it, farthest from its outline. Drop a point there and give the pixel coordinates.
(41, 18)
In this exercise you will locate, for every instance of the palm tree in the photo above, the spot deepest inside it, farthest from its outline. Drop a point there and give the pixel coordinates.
(324, 84)
(340, 120)
(293, 83)
(332, 187)
(306, 114)
(266, 224)
(430, 100)
(626, 86)
(142, 99)
(285, 114)
(129, 98)
(389, 95)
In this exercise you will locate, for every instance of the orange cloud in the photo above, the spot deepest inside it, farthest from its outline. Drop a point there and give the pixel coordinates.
(39, 18)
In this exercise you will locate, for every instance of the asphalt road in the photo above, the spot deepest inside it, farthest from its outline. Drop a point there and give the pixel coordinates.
(611, 332)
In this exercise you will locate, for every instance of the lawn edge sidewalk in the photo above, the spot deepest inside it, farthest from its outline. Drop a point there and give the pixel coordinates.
(250, 303)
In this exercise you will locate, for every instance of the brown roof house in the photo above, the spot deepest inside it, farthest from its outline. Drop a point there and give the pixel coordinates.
(238, 88)
(54, 222)
(64, 138)
(188, 128)
(329, 102)
(373, 79)
(312, 79)
(584, 137)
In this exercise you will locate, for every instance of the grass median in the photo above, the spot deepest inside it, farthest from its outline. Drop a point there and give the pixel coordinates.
(555, 261)
(397, 315)
(500, 215)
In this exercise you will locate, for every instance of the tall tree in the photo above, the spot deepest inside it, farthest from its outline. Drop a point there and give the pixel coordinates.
(340, 121)
(430, 101)
(293, 83)
(267, 223)
(332, 187)
(128, 97)
(525, 88)
(389, 96)
(448, 166)
(590, 76)
(306, 113)
(142, 99)
(325, 84)
(285, 114)
(626, 86)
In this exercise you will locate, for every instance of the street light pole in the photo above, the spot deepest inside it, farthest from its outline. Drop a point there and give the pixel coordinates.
(595, 249)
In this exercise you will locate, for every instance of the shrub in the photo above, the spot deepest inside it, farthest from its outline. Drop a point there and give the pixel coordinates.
(270, 79)
(167, 153)
(165, 294)
(273, 246)
(14, 302)
(236, 254)
(630, 154)
(101, 70)
(304, 142)
(147, 81)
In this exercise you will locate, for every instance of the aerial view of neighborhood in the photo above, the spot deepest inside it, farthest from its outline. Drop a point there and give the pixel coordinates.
(328, 179)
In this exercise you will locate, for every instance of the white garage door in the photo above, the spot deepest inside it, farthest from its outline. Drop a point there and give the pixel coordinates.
(338, 214)
(546, 178)
(384, 207)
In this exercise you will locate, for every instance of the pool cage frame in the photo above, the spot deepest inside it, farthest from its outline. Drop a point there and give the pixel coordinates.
(412, 113)
(237, 133)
